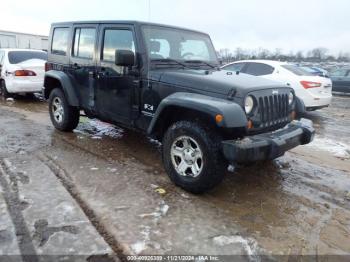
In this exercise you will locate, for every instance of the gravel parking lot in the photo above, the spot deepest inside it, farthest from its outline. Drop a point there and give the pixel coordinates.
(114, 180)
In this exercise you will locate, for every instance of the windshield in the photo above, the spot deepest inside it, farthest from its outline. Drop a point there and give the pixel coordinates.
(177, 44)
(297, 70)
(16, 57)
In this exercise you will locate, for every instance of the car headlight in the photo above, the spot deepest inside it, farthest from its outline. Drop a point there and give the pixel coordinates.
(248, 104)
(290, 98)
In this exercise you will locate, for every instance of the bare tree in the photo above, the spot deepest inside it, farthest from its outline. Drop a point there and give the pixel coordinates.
(299, 56)
(319, 53)
(263, 53)
(226, 55)
(239, 53)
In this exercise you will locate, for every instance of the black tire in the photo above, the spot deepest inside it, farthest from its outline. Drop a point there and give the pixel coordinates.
(3, 90)
(70, 116)
(214, 165)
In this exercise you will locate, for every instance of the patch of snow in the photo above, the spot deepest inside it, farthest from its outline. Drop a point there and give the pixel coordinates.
(231, 168)
(94, 168)
(338, 149)
(138, 247)
(7, 163)
(185, 196)
(248, 245)
(10, 99)
(164, 209)
(97, 129)
(155, 142)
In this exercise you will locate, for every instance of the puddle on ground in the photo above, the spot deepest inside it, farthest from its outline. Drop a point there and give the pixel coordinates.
(336, 148)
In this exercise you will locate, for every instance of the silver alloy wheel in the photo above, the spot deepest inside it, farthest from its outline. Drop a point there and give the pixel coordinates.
(186, 156)
(57, 109)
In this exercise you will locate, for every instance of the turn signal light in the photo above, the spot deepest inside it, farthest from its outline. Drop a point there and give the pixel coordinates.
(250, 124)
(48, 67)
(24, 73)
(308, 84)
(219, 118)
(293, 115)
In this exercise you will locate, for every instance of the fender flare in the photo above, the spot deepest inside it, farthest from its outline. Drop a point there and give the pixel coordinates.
(299, 106)
(66, 84)
(233, 114)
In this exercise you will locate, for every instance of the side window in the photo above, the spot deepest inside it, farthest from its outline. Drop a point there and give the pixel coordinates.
(116, 39)
(234, 67)
(84, 42)
(60, 41)
(258, 69)
(340, 73)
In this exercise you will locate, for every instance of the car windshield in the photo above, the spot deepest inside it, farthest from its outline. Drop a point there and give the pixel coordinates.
(16, 57)
(297, 70)
(168, 44)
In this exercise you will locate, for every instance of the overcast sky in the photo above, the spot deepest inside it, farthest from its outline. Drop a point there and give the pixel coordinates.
(250, 24)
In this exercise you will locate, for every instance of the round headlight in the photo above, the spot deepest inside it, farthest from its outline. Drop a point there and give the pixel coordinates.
(290, 98)
(248, 104)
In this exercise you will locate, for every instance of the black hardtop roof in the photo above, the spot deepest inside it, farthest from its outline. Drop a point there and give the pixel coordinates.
(129, 22)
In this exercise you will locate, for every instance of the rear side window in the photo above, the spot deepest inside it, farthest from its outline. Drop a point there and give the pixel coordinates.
(234, 67)
(16, 57)
(84, 42)
(60, 41)
(258, 69)
(297, 70)
(116, 39)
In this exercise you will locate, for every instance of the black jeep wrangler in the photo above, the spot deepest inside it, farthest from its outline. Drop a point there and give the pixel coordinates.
(165, 81)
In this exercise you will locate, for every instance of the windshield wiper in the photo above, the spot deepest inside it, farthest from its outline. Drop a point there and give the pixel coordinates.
(169, 61)
(200, 62)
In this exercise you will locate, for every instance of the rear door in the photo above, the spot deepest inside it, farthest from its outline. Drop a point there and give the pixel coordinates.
(83, 62)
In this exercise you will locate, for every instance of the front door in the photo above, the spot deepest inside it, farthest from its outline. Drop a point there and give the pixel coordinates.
(341, 80)
(83, 63)
(116, 86)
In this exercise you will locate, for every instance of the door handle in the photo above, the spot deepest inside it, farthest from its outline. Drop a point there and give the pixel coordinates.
(76, 66)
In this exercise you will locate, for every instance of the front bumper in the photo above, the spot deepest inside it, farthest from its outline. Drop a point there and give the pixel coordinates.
(269, 145)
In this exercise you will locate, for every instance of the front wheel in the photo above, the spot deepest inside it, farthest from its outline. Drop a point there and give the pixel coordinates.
(63, 116)
(192, 157)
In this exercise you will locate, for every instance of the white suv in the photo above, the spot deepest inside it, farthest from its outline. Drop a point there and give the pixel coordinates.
(314, 91)
(21, 71)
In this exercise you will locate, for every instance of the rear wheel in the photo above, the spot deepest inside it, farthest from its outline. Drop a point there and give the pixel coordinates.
(63, 116)
(192, 157)
(3, 90)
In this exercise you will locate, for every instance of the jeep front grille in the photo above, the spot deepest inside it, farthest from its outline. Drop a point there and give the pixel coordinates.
(273, 110)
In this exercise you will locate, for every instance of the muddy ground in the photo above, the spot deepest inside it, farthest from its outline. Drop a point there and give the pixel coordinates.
(296, 205)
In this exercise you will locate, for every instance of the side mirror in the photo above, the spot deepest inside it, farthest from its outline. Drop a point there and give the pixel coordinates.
(124, 58)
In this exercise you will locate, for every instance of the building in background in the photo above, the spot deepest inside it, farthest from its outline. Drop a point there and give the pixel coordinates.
(10, 39)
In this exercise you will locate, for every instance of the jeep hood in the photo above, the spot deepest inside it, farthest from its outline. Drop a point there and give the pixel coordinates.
(221, 82)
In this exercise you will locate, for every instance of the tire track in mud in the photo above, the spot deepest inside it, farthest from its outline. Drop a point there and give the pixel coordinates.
(66, 181)
(13, 203)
